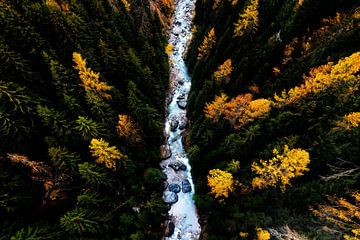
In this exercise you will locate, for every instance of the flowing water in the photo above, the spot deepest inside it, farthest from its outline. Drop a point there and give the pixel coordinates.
(183, 218)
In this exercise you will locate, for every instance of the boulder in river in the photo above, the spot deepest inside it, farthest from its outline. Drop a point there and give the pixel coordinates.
(186, 186)
(182, 104)
(170, 228)
(165, 151)
(174, 188)
(177, 166)
(170, 197)
(182, 122)
(174, 123)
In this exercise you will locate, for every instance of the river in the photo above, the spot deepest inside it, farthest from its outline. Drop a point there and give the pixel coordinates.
(183, 219)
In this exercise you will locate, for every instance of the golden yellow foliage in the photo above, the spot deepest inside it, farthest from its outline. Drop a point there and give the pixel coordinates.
(281, 168)
(104, 154)
(243, 234)
(323, 77)
(223, 72)
(127, 5)
(169, 49)
(90, 79)
(254, 89)
(249, 19)
(276, 71)
(349, 121)
(341, 213)
(216, 4)
(220, 183)
(262, 234)
(58, 6)
(207, 44)
(239, 110)
(128, 129)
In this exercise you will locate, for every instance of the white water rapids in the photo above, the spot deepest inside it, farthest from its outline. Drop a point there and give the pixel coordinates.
(183, 218)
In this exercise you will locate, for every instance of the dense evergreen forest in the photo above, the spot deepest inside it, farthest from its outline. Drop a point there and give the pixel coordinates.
(82, 92)
(274, 142)
(273, 135)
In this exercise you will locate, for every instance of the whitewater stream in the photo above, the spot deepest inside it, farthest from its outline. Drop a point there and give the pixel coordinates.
(183, 221)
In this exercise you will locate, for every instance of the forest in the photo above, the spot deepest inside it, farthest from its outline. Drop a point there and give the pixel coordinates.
(274, 112)
(82, 91)
(273, 132)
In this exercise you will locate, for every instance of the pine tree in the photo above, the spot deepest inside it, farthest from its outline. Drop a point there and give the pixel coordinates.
(88, 128)
(207, 44)
(63, 159)
(94, 175)
(80, 221)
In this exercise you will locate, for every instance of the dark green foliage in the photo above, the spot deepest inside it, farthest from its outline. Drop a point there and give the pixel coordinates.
(309, 124)
(46, 115)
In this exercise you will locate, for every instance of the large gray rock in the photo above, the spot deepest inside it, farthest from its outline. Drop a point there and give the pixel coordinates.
(170, 197)
(177, 166)
(170, 227)
(174, 188)
(165, 151)
(182, 104)
(174, 123)
(186, 186)
(182, 122)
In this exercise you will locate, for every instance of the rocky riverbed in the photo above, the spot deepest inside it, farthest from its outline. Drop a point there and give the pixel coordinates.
(183, 222)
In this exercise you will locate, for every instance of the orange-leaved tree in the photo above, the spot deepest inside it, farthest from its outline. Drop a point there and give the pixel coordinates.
(281, 168)
(239, 110)
(128, 129)
(342, 215)
(223, 72)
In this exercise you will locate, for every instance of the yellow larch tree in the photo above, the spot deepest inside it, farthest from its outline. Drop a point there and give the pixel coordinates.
(128, 129)
(239, 110)
(169, 49)
(281, 168)
(90, 79)
(220, 182)
(105, 154)
(349, 121)
(249, 19)
(207, 44)
(126, 4)
(342, 214)
(262, 234)
(223, 72)
(322, 77)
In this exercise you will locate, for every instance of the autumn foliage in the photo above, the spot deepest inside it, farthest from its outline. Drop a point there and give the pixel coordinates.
(220, 183)
(90, 79)
(322, 77)
(105, 154)
(341, 214)
(128, 129)
(207, 44)
(239, 110)
(223, 72)
(248, 21)
(281, 168)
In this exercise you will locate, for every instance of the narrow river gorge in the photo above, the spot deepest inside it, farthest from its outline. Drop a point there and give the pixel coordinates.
(183, 219)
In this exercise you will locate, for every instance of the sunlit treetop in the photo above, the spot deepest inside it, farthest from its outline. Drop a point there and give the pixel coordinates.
(207, 44)
(220, 182)
(105, 154)
(349, 121)
(90, 79)
(248, 21)
(322, 77)
(223, 72)
(279, 170)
